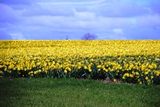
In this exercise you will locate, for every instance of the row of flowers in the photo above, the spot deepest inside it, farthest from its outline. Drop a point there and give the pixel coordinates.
(132, 69)
(128, 61)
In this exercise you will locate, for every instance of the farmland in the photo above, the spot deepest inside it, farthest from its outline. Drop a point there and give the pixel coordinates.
(69, 92)
(130, 61)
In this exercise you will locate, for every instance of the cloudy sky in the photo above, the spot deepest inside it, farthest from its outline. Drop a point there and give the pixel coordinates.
(61, 19)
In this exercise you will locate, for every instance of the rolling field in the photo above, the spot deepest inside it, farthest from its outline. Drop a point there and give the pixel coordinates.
(74, 73)
(130, 61)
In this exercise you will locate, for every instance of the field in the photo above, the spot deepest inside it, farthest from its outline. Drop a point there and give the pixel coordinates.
(129, 61)
(67, 73)
(50, 92)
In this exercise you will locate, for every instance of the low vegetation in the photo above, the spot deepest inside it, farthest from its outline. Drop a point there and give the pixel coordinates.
(50, 92)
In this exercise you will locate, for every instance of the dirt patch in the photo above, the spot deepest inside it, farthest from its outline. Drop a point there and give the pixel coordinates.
(117, 81)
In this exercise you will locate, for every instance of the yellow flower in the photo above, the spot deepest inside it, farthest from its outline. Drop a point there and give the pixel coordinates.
(90, 70)
(99, 66)
(85, 67)
(124, 77)
(5, 69)
(68, 55)
(65, 71)
(152, 77)
(106, 70)
(146, 73)
(157, 73)
(69, 69)
(131, 75)
(137, 73)
(146, 78)
(79, 67)
(148, 81)
(140, 82)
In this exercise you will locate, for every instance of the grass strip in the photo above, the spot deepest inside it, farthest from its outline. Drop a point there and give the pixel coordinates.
(49, 92)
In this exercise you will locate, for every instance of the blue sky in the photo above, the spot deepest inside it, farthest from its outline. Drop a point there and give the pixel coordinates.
(61, 19)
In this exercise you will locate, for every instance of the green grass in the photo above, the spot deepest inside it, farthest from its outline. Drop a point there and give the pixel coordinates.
(49, 92)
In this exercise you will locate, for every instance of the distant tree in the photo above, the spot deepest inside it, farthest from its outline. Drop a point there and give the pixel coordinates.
(89, 36)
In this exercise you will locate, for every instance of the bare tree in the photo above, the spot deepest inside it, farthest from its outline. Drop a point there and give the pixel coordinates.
(89, 36)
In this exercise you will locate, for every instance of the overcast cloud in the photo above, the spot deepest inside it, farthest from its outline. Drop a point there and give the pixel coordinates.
(61, 19)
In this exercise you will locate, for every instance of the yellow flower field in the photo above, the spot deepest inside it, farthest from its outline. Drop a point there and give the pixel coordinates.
(133, 61)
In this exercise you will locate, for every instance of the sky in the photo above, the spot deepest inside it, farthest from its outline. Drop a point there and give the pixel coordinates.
(71, 19)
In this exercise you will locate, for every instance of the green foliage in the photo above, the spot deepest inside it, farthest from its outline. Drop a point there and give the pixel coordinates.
(49, 92)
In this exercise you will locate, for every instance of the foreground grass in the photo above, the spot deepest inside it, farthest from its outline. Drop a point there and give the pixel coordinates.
(49, 92)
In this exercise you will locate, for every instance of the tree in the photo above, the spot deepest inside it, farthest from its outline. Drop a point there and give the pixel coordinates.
(89, 36)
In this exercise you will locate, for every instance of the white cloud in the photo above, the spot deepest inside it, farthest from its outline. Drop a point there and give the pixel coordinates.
(73, 3)
(87, 16)
(17, 36)
(118, 31)
(116, 34)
